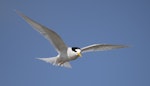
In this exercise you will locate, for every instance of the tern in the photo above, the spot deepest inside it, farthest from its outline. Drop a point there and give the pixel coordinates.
(65, 53)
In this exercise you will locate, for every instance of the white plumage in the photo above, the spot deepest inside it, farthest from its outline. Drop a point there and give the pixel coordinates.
(65, 54)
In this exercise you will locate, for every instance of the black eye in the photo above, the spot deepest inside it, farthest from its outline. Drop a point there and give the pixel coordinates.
(74, 48)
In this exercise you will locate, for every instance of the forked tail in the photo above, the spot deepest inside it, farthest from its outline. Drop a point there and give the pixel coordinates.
(53, 61)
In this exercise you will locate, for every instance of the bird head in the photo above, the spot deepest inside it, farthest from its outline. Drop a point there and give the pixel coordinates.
(77, 50)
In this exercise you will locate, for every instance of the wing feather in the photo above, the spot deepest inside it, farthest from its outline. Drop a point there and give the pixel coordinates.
(52, 36)
(100, 47)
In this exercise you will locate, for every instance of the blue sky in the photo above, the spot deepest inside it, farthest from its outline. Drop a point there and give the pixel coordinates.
(79, 23)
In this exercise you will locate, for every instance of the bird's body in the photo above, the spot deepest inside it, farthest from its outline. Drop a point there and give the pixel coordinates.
(65, 53)
(62, 61)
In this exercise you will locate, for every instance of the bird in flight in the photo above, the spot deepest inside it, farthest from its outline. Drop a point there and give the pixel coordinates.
(65, 53)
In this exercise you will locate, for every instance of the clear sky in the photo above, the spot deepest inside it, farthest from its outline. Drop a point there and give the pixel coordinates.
(79, 23)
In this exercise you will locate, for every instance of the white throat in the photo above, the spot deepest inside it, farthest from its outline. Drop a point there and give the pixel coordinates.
(73, 54)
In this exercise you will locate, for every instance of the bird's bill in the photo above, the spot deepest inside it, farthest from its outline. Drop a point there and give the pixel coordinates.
(79, 54)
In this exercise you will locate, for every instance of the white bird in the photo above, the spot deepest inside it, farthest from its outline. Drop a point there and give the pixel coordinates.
(65, 54)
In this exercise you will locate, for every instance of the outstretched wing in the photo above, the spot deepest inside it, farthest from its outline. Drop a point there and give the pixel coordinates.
(52, 36)
(100, 47)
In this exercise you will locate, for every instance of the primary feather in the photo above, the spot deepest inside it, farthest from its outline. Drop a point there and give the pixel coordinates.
(49, 34)
(100, 47)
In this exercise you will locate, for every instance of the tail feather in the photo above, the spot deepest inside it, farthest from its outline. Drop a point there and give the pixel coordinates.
(48, 60)
(53, 61)
(67, 65)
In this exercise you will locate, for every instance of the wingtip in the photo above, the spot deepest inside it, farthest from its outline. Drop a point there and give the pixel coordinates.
(19, 13)
(125, 46)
